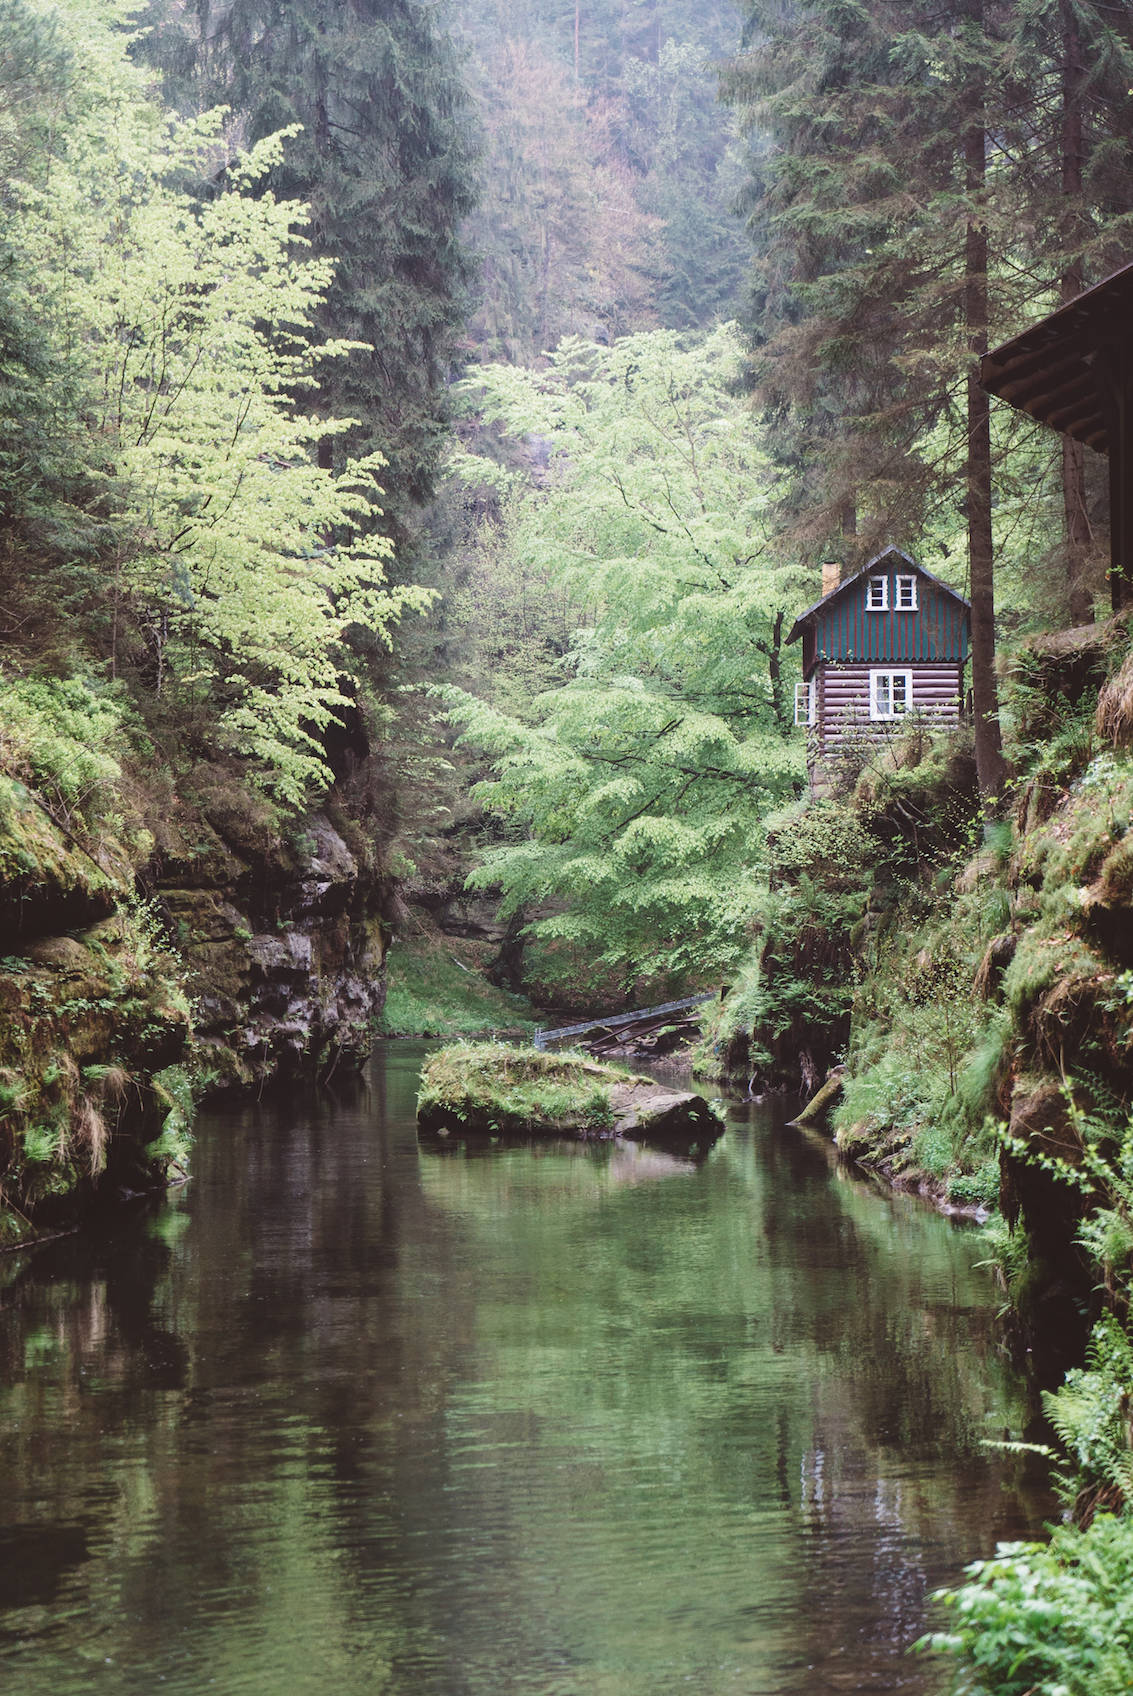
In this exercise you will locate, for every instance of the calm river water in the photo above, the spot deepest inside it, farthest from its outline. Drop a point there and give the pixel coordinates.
(349, 1417)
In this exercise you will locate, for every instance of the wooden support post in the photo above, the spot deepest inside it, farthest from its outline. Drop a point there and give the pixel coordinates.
(1119, 374)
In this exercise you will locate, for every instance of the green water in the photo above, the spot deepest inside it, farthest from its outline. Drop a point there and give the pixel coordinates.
(343, 1415)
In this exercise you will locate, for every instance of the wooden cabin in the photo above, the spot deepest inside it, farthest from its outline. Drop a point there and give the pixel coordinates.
(890, 641)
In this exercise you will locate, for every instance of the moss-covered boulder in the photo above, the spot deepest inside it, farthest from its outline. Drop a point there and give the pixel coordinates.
(88, 1021)
(494, 1089)
(47, 881)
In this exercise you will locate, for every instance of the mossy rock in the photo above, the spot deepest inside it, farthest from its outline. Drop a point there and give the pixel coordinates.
(496, 1090)
(48, 882)
(84, 1022)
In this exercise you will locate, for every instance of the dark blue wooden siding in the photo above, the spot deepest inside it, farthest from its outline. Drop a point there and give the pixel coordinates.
(938, 630)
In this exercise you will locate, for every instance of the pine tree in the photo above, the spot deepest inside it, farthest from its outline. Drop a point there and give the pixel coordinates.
(609, 157)
(1076, 178)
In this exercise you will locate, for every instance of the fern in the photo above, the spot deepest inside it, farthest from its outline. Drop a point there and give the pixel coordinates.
(1092, 1415)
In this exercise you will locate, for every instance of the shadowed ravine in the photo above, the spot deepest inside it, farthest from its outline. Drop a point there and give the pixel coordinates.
(345, 1416)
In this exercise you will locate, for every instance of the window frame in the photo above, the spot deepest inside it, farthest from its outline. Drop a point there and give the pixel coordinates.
(901, 578)
(881, 583)
(890, 672)
(810, 698)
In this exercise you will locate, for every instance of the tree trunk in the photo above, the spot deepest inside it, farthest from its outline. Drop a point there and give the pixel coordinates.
(1071, 284)
(991, 768)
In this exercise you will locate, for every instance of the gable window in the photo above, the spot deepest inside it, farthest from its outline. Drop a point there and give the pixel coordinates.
(804, 703)
(877, 594)
(905, 593)
(890, 693)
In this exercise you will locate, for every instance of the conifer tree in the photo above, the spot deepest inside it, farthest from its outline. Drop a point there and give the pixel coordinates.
(896, 208)
(1075, 181)
(383, 160)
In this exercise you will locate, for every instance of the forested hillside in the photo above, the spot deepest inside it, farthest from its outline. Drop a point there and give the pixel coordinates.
(217, 425)
(419, 432)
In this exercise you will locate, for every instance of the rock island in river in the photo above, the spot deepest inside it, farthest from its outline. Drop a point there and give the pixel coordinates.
(494, 1089)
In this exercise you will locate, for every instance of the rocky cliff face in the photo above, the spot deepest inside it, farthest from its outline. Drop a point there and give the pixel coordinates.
(284, 946)
(92, 1014)
(237, 953)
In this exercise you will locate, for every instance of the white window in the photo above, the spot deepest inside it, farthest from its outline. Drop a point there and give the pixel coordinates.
(877, 594)
(905, 593)
(890, 693)
(804, 703)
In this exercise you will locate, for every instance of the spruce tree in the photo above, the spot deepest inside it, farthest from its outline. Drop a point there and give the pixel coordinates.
(1074, 181)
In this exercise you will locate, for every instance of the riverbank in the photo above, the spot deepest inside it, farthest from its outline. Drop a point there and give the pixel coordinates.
(964, 972)
(437, 985)
(170, 935)
(497, 1380)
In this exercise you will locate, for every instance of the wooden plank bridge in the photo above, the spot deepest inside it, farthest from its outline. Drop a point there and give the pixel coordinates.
(633, 1028)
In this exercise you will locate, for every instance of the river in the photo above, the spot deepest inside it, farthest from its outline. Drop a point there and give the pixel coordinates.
(347, 1416)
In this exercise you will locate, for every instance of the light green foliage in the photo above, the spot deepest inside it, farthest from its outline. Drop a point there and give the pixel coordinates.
(515, 617)
(1046, 1620)
(383, 156)
(174, 1089)
(806, 911)
(66, 737)
(432, 992)
(635, 791)
(181, 330)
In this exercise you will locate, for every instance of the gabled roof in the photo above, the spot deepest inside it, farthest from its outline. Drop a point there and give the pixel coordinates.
(1058, 370)
(904, 563)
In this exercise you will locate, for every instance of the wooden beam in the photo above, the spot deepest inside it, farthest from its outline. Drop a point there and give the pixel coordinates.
(1118, 366)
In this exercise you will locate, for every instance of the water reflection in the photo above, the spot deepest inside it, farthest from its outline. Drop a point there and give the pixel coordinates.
(348, 1414)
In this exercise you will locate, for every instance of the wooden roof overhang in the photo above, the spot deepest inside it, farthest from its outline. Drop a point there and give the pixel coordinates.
(1073, 371)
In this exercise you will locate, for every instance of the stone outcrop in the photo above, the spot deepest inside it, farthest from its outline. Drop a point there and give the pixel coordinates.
(246, 952)
(487, 1089)
(92, 1011)
(284, 946)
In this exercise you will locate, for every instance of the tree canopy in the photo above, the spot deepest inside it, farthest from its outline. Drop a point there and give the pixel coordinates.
(634, 790)
(175, 344)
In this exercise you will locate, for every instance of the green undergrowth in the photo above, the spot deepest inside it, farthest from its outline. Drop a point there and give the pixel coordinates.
(928, 1052)
(1046, 1619)
(1054, 1619)
(503, 1088)
(93, 1095)
(788, 1006)
(437, 987)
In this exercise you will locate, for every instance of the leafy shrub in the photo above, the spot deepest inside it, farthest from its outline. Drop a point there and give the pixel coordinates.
(1093, 1416)
(975, 1189)
(1051, 1620)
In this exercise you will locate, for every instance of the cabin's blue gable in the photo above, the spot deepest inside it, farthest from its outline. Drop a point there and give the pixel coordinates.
(937, 630)
(843, 627)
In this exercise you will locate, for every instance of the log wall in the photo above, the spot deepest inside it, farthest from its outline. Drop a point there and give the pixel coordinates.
(842, 722)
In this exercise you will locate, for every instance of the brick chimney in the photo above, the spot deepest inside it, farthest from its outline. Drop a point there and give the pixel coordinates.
(831, 574)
